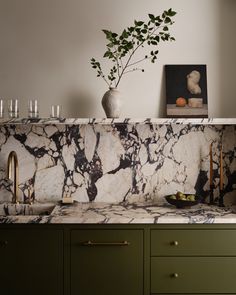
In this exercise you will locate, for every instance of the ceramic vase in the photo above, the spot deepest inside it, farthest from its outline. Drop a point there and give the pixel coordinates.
(112, 103)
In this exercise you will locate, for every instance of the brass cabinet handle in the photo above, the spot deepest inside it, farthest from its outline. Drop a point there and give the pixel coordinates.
(3, 243)
(175, 275)
(91, 243)
(175, 243)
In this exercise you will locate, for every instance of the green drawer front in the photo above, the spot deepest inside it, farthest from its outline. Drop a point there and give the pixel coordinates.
(107, 267)
(194, 275)
(193, 242)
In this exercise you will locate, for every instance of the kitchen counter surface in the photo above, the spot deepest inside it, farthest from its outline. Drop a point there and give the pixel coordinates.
(132, 213)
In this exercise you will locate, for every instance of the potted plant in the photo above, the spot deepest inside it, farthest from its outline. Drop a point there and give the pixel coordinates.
(121, 50)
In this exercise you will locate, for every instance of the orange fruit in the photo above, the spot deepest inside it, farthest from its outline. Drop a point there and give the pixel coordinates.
(181, 102)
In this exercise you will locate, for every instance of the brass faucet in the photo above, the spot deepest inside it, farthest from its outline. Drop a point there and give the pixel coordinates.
(13, 161)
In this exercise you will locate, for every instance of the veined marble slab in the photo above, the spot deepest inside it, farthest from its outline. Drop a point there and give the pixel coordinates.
(116, 162)
(105, 121)
(125, 213)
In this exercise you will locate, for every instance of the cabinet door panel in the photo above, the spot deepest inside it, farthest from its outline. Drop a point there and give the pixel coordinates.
(31, 261)
(107, 266)
(193, 275)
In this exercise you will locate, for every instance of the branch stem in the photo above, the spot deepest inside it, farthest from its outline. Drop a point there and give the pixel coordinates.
(138, 61)
(133, 70)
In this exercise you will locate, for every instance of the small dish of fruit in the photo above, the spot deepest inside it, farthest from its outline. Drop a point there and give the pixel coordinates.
(181, 200)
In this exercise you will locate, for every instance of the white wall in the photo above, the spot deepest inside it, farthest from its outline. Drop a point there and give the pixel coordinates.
(46, 45)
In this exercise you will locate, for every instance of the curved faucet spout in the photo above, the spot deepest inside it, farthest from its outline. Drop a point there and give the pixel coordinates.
(13, 162)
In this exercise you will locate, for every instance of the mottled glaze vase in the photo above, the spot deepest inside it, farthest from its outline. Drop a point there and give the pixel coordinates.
(112, 103)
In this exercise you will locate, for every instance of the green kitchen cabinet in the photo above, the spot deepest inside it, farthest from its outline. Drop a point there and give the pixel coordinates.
(117, 259)
(107, 261)
(31, 261)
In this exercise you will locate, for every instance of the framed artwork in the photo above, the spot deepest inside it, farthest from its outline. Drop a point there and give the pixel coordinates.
(186, 91)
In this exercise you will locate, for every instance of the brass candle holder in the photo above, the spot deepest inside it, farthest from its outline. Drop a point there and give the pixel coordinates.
(221, 184)
(221, 197)
(211, 177)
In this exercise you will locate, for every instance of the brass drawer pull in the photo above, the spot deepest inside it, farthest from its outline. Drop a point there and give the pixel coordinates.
(90, 243)
(175, 243)
(3, 243)
(175, 275)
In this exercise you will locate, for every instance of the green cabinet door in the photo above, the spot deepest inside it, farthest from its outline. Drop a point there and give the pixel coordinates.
(31, 261)
(105, 262)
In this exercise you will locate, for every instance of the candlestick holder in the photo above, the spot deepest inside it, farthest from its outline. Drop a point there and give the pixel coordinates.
(221, 199)
(211, 195)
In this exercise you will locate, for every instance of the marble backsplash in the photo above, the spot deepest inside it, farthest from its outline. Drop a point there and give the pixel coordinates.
(116, 162)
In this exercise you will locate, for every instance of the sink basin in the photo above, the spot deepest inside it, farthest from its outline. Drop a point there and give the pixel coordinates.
(8, 209)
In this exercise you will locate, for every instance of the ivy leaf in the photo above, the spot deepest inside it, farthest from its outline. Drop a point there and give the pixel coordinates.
(107, 33)
(130, 29)
(106, 54)
(151, 16)
(110, 45)
(165, 29)
(167, 20)
(170, 12)
(139, 23)
(125, 34)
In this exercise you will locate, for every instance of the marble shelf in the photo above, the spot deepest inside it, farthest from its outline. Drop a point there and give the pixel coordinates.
(105, 121)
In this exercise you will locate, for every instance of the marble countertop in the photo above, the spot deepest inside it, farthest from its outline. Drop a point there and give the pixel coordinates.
(107, 121)
(131, 213)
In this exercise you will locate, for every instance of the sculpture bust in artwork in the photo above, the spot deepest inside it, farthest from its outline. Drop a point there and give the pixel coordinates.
(193, 82)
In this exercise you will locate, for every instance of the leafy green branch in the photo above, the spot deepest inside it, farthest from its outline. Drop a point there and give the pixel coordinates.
(121, 49)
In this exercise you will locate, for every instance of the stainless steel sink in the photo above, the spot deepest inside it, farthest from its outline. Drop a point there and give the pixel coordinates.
(8, 209)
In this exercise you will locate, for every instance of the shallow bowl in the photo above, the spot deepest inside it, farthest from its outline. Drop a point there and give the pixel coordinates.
(182, 203)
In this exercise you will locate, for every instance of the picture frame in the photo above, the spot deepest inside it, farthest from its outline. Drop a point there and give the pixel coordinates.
(186, 91)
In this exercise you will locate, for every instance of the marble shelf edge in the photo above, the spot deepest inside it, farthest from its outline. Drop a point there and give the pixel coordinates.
(106, 121)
